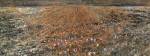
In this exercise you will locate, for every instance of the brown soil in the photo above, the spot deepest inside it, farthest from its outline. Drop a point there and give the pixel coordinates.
(74, 28)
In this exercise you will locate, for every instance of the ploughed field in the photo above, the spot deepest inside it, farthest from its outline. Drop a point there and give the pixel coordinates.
(75, 31)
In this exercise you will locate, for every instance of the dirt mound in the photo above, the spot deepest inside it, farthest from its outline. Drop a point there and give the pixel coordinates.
(75, 28)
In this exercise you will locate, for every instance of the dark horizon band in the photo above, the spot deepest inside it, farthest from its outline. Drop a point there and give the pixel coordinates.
(6, 3)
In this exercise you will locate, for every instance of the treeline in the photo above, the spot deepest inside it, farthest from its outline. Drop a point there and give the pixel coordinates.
(88, 2)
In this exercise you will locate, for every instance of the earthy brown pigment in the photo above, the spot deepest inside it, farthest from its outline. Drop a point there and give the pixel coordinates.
(74, 28)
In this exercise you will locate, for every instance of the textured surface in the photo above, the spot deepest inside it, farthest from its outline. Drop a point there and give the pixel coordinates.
(18, 33)
(64, 2)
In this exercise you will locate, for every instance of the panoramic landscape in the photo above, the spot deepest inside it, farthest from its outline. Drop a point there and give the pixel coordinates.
(74, 28)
